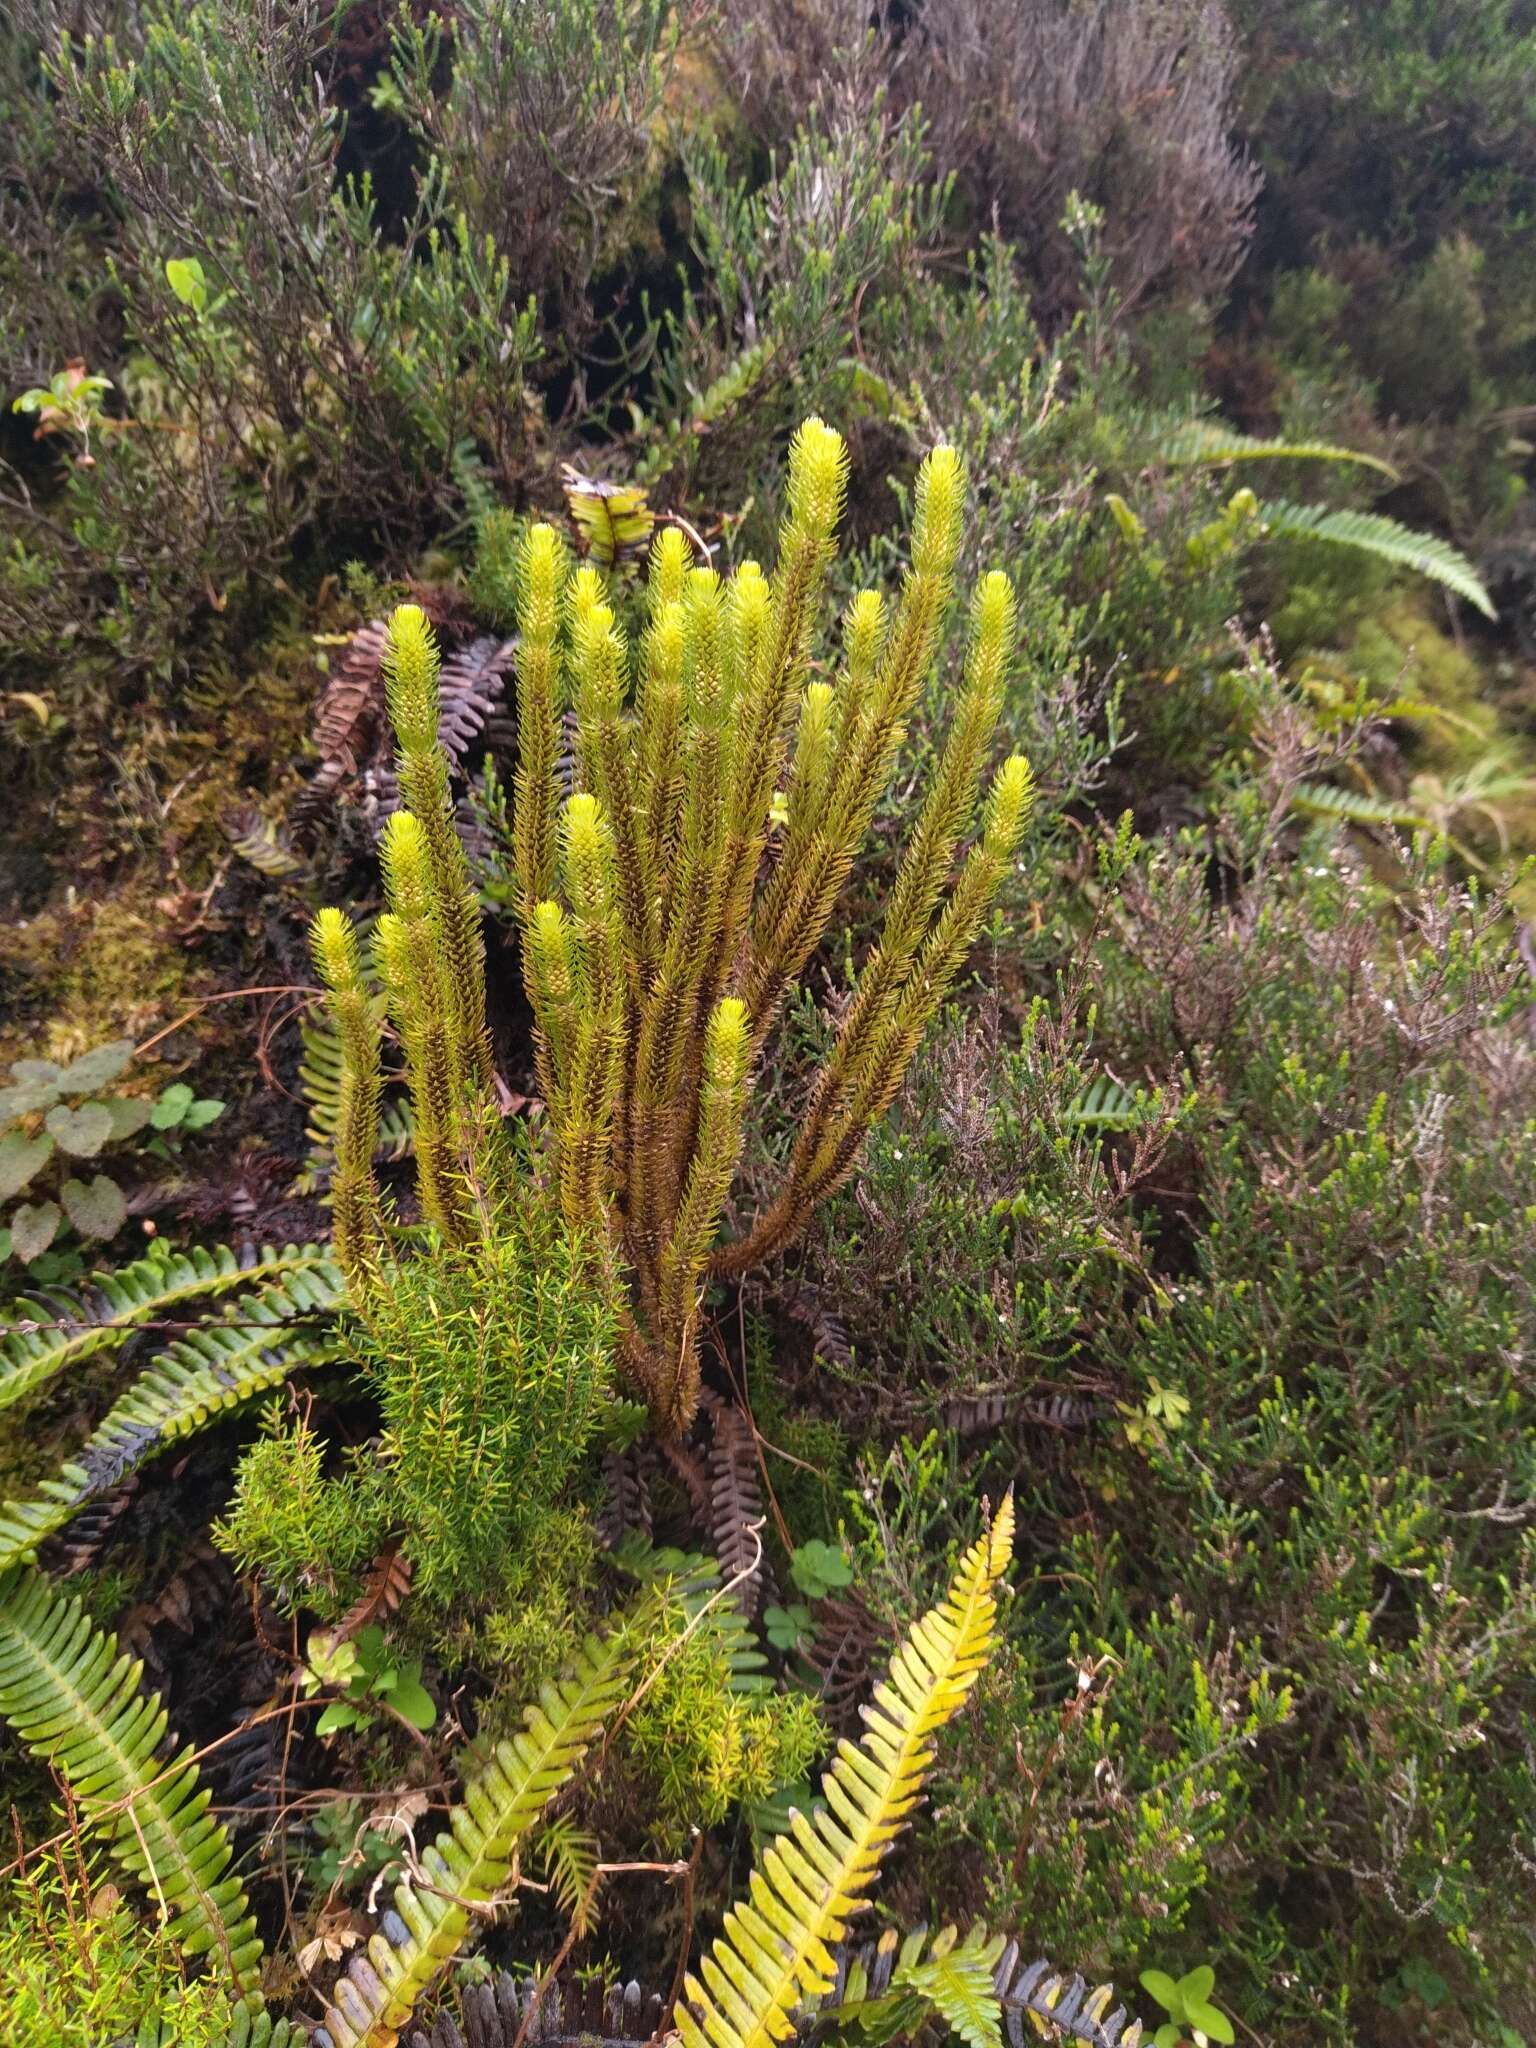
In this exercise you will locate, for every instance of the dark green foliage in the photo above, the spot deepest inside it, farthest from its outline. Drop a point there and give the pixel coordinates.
(286, 359)
(989, 1218)
(845, 215)
(544, 121)
(1284, 1639)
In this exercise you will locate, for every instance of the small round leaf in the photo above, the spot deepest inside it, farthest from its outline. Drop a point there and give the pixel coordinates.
(172, 1106)
(130, 1113)
(408, 1696)
(20, 1158)
(35, 1070)
(1197, 1985)
(96, 1207)
(32, 1229)
(184, 275)
(338, 1715)
(202, 1113)
(97, 1068)
(1209, 2019)
(26, 1097)
(1162, 1988)
(83, 1131)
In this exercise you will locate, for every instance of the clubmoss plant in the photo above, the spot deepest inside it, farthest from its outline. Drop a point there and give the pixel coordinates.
(671, 898)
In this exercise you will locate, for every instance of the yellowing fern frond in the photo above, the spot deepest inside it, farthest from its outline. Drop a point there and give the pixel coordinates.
(774, 1953)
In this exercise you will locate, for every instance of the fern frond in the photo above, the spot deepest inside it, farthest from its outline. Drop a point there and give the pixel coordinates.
(321, 1072)
(263, 843)
(880, 1991)
(1106, 1106)
(471, 689)
(1211, 443)
(1374, 534)
(1355, 807)
(956, 1980)
(576, 2012)
(473, 1858)
(569, 1855)
(694, 1584)
(48, 1334)
(212, 1369)
(775, 1953)
(75, 1702)
(251, 2027)
(736, 1504)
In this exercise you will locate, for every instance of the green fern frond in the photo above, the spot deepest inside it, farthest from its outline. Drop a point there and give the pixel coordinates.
(1211, 443)
(73, 1701)
(884, 1990)
(474, 1857)
(570, 1856)
(1355, 807)
(1374, 534)
(1106, 1106)
(212, 1369)
(774, 1954)
(51, 1332)
(694, 1583)
(956, 1980)
(251, 2027)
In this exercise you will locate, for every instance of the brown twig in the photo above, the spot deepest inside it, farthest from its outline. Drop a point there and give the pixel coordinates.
(230, 995)
(690, 1873)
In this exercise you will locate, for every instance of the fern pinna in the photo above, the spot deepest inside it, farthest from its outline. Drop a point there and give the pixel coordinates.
(76, 1703)
(774, 1953)
(977, 1985)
